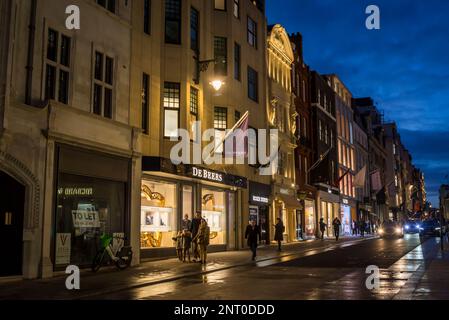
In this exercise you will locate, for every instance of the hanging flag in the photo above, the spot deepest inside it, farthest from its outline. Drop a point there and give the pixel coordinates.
(376, 181)
(337, 183)
(360, 178)
(238, 136)
(321, 159)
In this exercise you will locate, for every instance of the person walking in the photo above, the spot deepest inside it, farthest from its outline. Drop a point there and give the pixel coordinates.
(362, 228)
(194, 228)
(186, 245)
(253, 235)
(279, 230)
(178, 243)
(202, 238)
(336, 224)
(186, 223)
(323, 227)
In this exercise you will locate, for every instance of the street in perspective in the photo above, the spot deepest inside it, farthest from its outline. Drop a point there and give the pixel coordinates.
(224, 150)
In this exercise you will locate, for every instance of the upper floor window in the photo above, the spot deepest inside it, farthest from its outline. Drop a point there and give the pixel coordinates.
(237, 62)
(220, 126)
(147, 16)
(194, 30)
(103, 85)
(173, 21)
(253, 91)
(220, 5)
(221, 56)
(172, 103)
(107, 4)
(237, 9)
(252, 33)
(57, 74)
(194, 112)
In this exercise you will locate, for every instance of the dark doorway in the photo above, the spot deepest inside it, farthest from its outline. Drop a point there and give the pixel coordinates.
(12, 200)
(264, 224)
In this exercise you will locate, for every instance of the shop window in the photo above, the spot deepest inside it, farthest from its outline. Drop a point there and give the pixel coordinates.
(213, 205)
(158, 214)
(310, 218)
(187, 201)
(86, 209)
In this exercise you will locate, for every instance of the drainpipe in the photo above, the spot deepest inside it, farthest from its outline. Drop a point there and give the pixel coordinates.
(30, 58)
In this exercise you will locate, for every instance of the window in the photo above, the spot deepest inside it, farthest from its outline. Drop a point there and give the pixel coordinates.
(107, 4)
(221, 56)
(194, 30)
(298, 126)
(237, 9)
(252, 33)
(253, 93)
(220, 5)
(57, 76)
(332, 138)
(237, 116)
(172, 97)
(320, 130)
(237, 62)
(103, 85)
(220, 126)
(281, 163)
(326, 137)
(145, 102)
(147, 16)
(173, 21)
(193, 111)
(304, 127)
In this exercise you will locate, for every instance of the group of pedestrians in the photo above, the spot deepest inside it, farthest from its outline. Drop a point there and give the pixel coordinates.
(254, 236)
(358, 227)
(194, 236)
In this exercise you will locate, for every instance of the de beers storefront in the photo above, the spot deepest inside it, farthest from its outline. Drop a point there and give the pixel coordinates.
(169, 192)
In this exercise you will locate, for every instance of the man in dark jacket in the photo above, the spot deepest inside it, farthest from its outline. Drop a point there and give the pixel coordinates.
(336, 224)
(253, 235)
(279, 230)
(194, 227)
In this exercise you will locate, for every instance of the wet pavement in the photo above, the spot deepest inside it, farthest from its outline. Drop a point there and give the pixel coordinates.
(409, 269)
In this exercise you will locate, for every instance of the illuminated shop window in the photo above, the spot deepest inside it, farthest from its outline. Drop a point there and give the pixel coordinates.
(214, 211)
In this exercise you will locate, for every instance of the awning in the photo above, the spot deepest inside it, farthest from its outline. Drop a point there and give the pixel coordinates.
(290, 202)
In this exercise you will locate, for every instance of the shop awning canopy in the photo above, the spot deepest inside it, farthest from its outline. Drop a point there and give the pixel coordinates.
(290, 202)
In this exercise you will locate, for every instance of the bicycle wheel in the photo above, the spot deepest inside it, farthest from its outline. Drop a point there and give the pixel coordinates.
(98, 260)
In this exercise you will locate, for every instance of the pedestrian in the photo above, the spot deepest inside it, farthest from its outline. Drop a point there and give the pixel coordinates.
(323, 227)
(194, 228)
(253, 235)
(186, 244)
(353, 228)
(279, 230)
(186, 223)
(362, 228)
(202, 238)
(178, 244)
(336, 224)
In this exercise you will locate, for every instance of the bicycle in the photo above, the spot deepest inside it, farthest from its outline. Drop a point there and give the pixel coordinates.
(122, 257)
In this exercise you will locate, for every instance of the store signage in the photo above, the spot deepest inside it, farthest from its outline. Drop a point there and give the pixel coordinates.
(285, 191)
(85, 219)
(260, 199)
(207, 174)
(75, 191)
(63, 248)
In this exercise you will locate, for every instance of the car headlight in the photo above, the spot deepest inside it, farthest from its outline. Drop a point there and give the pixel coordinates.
(418, 226)
(437, 229)
(407, 227)
(398, 230)
(381, 230)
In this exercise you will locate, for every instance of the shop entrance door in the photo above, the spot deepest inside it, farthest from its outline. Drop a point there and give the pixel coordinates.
(12, 199)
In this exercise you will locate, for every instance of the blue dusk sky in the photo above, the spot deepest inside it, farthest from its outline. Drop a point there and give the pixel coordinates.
(404, 66)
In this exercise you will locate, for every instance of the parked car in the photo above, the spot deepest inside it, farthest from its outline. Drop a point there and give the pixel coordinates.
(431, 227)
(412, 226)
(390, 229)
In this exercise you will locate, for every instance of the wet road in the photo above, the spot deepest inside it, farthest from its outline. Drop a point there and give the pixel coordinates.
(337, 273)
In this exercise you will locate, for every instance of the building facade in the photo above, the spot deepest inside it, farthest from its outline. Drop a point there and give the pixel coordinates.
(282, 116)
(324, 171)
(68, 148)
(198, 61)
(304, 152)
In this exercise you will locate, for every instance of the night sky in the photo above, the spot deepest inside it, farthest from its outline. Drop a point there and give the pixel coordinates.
(404, 66)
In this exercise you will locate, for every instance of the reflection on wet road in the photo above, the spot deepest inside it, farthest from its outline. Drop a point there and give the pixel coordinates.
(334, 273)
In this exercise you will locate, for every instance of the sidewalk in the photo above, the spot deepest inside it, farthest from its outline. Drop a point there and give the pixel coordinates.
(111, 280)
(431, 279)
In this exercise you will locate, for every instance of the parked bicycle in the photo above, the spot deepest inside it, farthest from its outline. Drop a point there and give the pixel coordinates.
(121, 256)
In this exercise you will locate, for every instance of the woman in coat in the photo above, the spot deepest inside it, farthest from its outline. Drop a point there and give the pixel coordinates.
(279, 232)
(202, 239)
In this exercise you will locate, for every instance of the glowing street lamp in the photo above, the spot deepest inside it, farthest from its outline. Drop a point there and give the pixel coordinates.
(217, 84)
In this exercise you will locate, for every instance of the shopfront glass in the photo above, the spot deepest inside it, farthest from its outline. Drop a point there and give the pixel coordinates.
(345, 219)
(187, 201)
(310, 218)
(159, 219)
(214, 210)
(86, 209)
